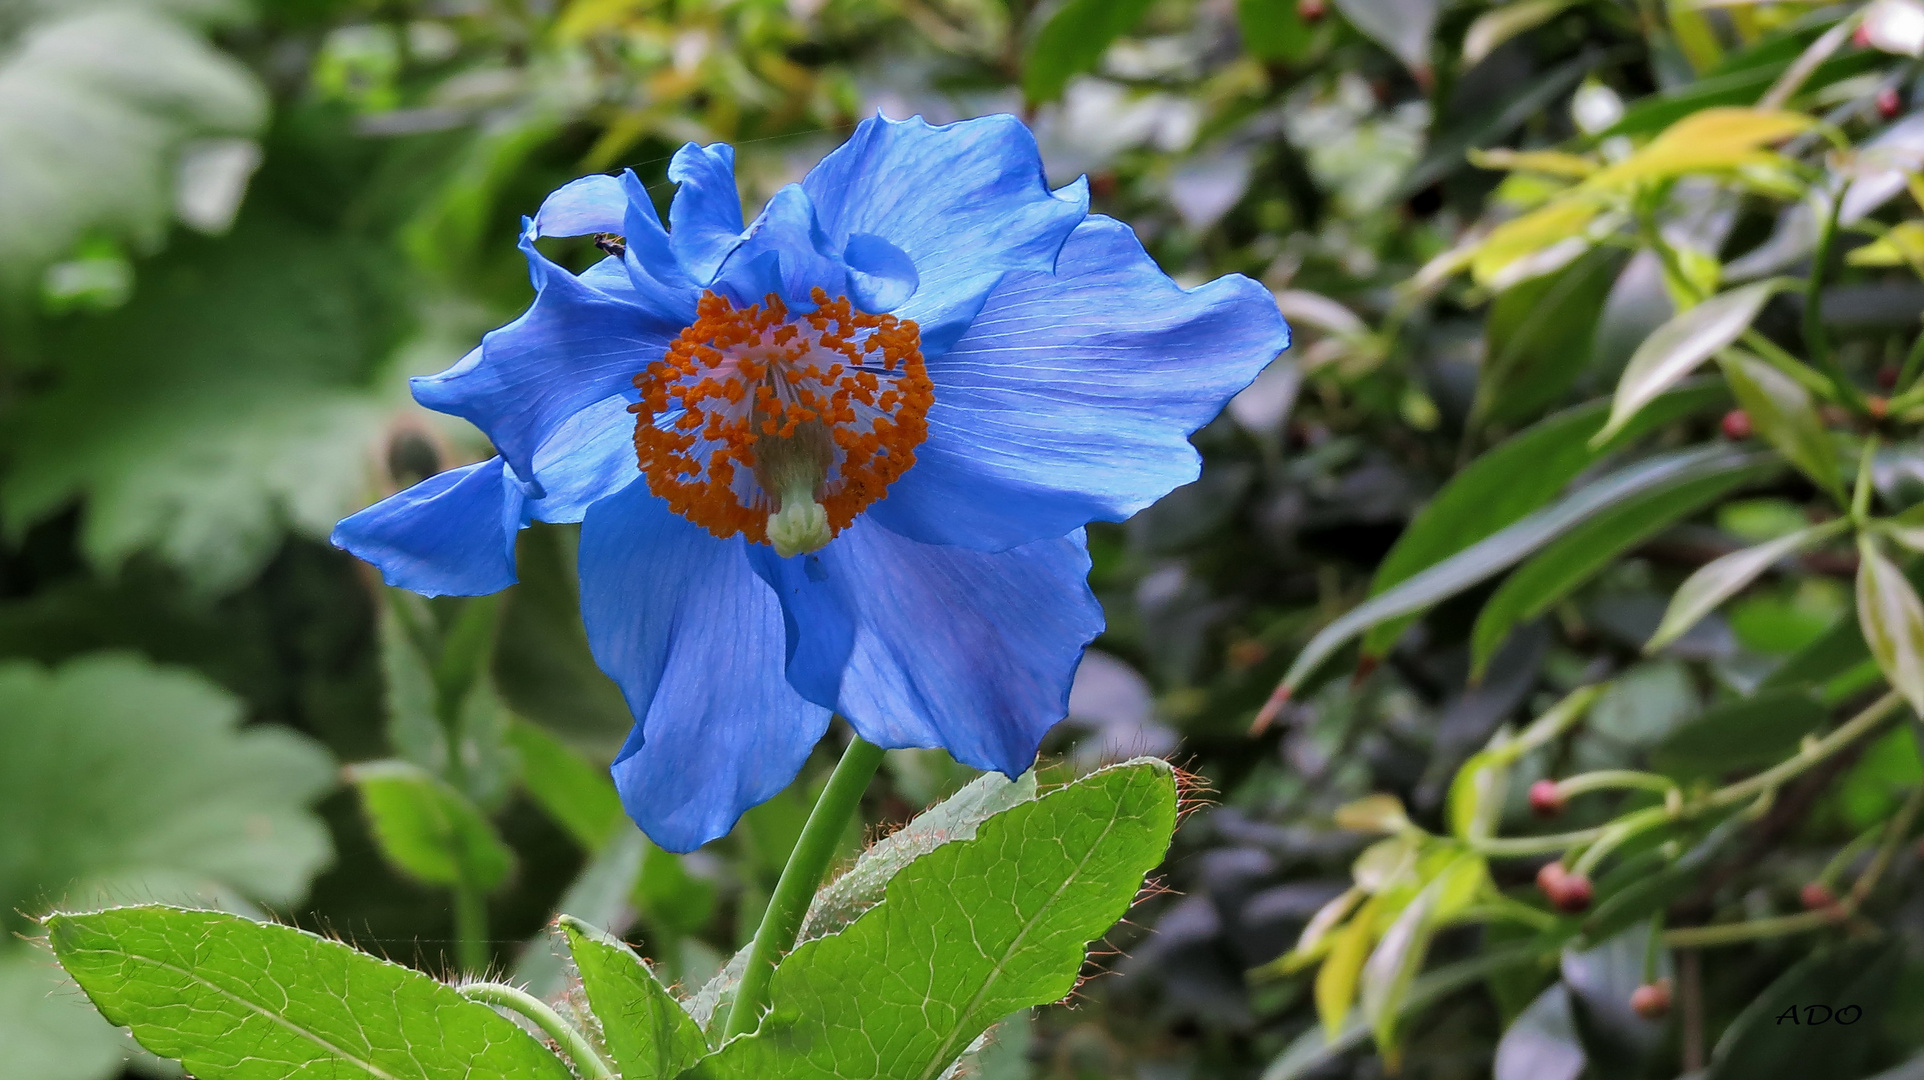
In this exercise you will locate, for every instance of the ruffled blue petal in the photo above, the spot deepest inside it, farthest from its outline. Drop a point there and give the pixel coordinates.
(1072, 397)
(588, 458)
(965, 202)
(881, 276)
(592, 204)
(575, 346)
(944, 646)
(449, 535)
(652, 264)
(802, 261)
(695, 640)
(706, 215)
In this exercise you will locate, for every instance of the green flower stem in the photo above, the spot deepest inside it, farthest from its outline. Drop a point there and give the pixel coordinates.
(1518, 846)
(1692, 937)
(1606, 779)
(800, 878)
(470, 928)
(571, 1042)
(1618, 832)
(1770, 779)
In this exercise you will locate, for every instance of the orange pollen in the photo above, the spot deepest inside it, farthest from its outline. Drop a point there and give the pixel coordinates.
(748, 399)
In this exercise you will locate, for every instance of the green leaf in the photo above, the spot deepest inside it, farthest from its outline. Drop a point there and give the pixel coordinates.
(646, 1029)
(1783, 413)
(47, 1029)
(1273, 29)
(1892, 619)
(1542, 1044)
(568, 788)
(222, 406)
(1500, 24)
(1585, 551)
(1503, 549)
(234, 999)
(122, 779)
(94, 108)
(1506, 483)
(428, 830)
(543, 667)
(1072, 41)
(413, 719)
(1757, 1046)
(1336, 979)
(1540, 333)
(1399, 953)
(1724, 577)
(1742, 734)
(968, 933)
(600, 894)
(1404, 27)
(1675, 349)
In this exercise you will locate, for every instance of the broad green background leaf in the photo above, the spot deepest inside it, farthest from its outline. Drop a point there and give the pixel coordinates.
(1674, 349)
(1782, 412)
(122, 779)
(1892, 619)
(427, 829)
(222, 406)
(1504, 484)
(1542, 1044)
(1072, 40)
(94, 108)
(1742, 734)
(1756, 1047)
(969, 933)
(1273, 29)
(234, 999)
(47, 1030)
(647, 1032)
(570, 789)
(542, 665)
(1540, 333)
(1583, 552)
(1503, 549)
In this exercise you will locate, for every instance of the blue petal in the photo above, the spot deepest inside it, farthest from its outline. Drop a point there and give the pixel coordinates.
(575, 346)
(652, 263)
(695, 640)
(881, 276)
(592, 204)
(590, 456)
(966, 202)
(706, 215)
(803, 261)
(1072, 397)
(944, 646)
(449, 535)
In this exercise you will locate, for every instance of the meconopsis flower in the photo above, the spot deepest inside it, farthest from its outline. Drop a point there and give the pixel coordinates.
(836, 460)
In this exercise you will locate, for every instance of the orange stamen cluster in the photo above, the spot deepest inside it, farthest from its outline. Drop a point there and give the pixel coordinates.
(744, 389)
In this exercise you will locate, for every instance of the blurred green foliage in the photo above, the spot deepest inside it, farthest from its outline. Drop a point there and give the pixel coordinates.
(229, 230)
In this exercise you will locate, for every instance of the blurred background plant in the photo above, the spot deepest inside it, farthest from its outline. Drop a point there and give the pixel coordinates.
(1586, 493)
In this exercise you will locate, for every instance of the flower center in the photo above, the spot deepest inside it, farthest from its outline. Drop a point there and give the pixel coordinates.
(781, 429)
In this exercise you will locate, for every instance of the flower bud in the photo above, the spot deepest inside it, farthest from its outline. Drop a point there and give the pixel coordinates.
(1651, 1000)
(1550, 880)
(1545, 800)
(1888, 103)
(1736, 425)
(1816, 896)
(1574, 895)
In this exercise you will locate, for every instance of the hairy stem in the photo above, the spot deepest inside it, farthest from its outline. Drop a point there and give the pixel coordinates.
(571, 1042)
(799, 880)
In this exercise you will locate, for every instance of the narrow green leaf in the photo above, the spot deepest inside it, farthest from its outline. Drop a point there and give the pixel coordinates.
(648, 1033)
(967, 934)
(1724, 577)
(1336, 979)
(234, 999)
(1506, 483)
(1674, 349)
(568, 788)
(1404, 27)
(1782, 412)
(1585, 551)
(427, 829)
(1393, 965)
(1540, 335)
(1503, 549)
(1892, 619)
(1071, 42)
(1477, 794)
(1500, 24)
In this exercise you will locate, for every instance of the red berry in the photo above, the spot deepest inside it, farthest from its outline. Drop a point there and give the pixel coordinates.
(1575, 895)
(1861, 37)
(1550, 879)
(1545, 800)
(1888, 102)
(1736, 425)
(1311, 10)
(1887, 377)
(1651, 1000)
(1816, 896)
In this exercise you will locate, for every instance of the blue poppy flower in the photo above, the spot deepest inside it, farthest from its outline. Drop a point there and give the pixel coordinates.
(835, 460)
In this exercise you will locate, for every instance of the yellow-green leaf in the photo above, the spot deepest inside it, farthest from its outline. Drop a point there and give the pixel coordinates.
(1892, 619)
(1708, 140)
(1782, 412)
(1549, 162)
(1336, 979)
